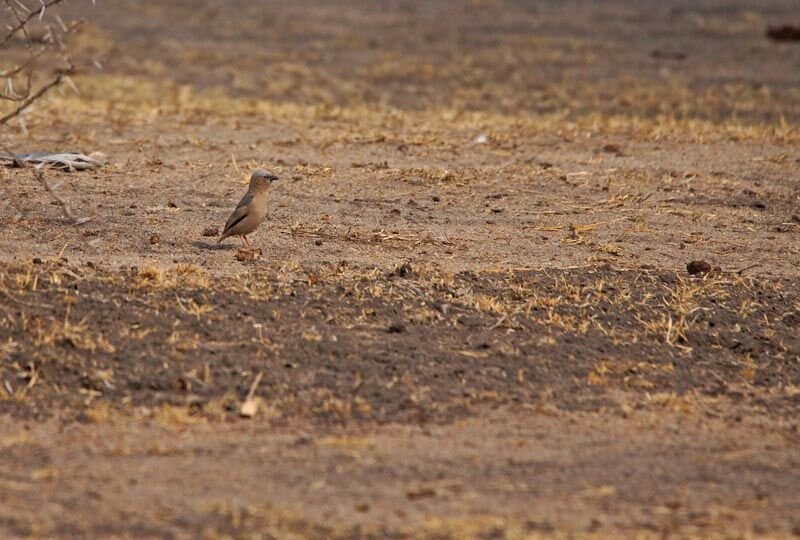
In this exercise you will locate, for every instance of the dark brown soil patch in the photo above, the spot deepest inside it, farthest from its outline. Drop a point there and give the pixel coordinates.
(388, 345)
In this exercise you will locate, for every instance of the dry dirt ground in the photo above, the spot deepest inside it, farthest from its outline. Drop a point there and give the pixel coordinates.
(472, 316)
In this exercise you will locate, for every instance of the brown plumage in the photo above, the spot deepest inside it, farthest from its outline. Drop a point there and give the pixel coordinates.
(252, 209)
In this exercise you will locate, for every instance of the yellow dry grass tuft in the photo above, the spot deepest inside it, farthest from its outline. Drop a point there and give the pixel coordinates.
(670, 111)
(77, 334)
(181, 275)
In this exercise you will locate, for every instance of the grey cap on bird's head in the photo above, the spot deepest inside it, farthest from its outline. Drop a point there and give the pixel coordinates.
(262, 177)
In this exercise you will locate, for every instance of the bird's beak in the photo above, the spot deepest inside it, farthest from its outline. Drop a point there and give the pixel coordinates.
(272, 177)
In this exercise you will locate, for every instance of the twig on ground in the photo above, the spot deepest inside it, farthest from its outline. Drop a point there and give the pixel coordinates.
(37, 172)
(251, 403)
(743, 270)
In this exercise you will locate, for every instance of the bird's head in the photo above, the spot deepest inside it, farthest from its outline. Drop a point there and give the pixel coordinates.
(261, 179)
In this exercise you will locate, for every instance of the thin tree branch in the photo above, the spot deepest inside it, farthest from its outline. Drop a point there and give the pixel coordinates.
(13, 71)
(27, 103)
(37, 172)
(24, 20)
(52, 41)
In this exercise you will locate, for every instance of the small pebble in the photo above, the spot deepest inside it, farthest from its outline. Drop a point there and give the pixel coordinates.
(698, 267)
(611, 148)
(304, 439)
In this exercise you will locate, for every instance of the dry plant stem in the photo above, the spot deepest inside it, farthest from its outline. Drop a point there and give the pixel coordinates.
(27, 99)
(12, 7)
(24, 66)
(251, 394)
(64, 206)
(21, 22)
(23, 16)
(28, 102)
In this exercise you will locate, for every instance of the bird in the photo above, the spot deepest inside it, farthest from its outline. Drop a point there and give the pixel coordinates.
(251, 210)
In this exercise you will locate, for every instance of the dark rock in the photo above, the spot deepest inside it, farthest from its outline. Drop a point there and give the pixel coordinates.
(698, 267)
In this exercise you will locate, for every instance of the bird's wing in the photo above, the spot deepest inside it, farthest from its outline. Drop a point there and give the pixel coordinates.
(239, 214)
(247, 199)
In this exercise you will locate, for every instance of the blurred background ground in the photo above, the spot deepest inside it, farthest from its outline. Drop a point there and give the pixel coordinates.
(482, 228)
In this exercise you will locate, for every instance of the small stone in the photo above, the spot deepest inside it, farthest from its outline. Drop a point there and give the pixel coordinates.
(611, 148)
(786, 32)
(395, 328)
(698, 267)
(37, 260)
(155, 239)
(420, 493)
(318, 242)
(211, 231)
(303, 439)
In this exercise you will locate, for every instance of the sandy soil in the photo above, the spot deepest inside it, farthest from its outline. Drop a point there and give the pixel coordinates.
(472, 316)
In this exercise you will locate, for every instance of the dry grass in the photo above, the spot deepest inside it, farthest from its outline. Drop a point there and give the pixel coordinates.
(124, 101)
(652, 320)
(187, 276)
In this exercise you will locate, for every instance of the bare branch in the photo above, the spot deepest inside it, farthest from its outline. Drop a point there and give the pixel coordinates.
(52, 45)
(26, 99)
(22, 21)
(64, 206)
(13, 71)
(27, 103)
(37, 172)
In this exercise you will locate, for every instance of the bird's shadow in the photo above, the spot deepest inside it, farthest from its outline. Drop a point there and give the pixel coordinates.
(215, 246)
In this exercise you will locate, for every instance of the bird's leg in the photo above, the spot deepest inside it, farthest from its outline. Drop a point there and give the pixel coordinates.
(246, 243)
